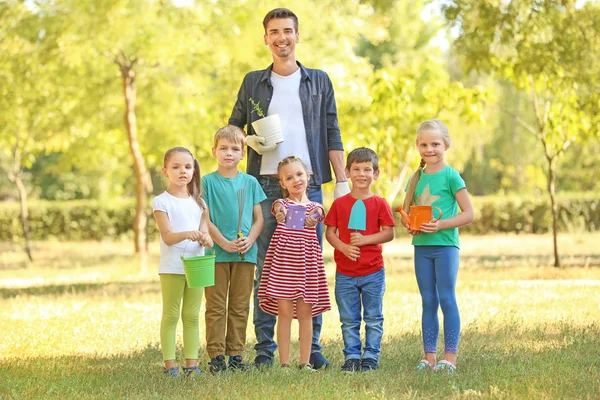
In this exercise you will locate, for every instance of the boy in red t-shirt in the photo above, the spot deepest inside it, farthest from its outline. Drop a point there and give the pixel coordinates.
(360, 276)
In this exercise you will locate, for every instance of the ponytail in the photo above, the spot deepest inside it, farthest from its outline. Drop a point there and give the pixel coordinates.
(409, 199)
(195, 186)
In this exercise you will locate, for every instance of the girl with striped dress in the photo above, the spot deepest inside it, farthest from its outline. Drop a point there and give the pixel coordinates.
(293, 283)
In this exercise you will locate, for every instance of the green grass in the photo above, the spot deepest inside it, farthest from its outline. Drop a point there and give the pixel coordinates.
(82, 322)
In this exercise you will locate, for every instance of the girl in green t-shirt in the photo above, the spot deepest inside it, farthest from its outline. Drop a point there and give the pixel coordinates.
(436, 242)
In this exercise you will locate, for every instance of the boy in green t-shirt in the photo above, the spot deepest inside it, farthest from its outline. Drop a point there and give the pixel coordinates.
(233, 200)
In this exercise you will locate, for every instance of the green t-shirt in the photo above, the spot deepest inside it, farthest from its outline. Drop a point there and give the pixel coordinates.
(439, 190)
(221, 195)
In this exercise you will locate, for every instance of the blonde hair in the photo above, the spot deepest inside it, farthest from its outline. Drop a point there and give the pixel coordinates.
(290, 160)
(429, 125)
(232, 133)
(194, 188)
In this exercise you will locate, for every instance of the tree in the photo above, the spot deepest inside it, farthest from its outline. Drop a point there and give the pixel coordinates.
(548, 49)
(150, 44)
(32, 121)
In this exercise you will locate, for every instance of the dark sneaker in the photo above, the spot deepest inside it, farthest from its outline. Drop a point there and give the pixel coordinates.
(351, 365)
(217, 364)
(173, 372)
(369, 364)
(192, 371)
(262, 360)
(318, 361)
(236, 364)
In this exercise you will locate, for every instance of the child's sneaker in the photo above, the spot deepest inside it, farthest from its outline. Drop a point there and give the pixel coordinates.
(351, 365)
(173, 372)
(369, 364)
(445, 366)
(192, 371)
(307, 367)
(236, 364)
(425, 365)
(217, 364)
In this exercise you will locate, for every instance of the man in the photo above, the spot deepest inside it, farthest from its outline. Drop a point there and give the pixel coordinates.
(305, 102)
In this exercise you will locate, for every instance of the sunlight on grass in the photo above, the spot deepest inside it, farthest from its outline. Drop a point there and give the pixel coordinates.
(527, 331)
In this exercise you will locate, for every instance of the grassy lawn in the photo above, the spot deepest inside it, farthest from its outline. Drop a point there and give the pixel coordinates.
(82, 322)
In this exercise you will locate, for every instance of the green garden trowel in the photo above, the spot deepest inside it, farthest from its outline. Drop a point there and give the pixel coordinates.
(358, 216)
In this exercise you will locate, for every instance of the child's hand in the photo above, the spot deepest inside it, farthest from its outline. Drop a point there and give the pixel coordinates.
(413, 232)
(280, 215)
(205, 239)
(229, 246)
(243, 244)
(313, 219)
(350, 251)
(194, 236)
(357, 239)
(431, 226)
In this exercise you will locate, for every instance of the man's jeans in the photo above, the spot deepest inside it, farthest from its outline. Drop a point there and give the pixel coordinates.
(352, 292)
(264, 324)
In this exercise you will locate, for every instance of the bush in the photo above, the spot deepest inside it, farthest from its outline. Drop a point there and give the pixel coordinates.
(95, 220)
(73, 220)
(522, 214)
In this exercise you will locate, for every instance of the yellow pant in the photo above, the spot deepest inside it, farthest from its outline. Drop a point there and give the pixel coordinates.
(174, 289)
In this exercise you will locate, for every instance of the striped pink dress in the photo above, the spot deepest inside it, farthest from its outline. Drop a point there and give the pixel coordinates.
(294, 267)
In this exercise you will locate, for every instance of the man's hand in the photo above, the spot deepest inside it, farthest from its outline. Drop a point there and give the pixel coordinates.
(256, 142)
(341, 189)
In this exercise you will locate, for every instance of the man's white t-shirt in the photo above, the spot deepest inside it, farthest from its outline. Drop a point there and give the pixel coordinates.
(184, 215)
(286, 103)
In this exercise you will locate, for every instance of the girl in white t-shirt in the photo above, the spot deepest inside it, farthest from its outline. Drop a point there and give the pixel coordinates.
(181, 217)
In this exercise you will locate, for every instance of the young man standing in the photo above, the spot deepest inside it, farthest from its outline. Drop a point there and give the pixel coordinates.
(305, 102)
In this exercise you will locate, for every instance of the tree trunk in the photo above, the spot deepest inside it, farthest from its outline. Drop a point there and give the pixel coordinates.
(143, 184)
(24, 212)
(554, 208)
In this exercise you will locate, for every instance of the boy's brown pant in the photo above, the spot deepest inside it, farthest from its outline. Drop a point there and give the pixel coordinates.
(227, 308)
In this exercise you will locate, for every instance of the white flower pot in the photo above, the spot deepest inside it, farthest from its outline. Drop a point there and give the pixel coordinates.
(269, 127)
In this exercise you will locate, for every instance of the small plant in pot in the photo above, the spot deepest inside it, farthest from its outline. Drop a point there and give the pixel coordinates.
(268, 127)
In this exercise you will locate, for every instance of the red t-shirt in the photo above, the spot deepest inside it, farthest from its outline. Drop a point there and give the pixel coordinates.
(379, 214)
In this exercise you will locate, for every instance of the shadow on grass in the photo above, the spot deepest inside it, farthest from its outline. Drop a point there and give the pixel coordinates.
(504, 362)
(108, 288)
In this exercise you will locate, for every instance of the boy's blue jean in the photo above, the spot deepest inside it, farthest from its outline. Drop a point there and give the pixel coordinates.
(264, 324)
(351, 294)
(436, 268)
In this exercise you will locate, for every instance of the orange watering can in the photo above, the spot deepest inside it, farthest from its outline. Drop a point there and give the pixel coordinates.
(419, 215)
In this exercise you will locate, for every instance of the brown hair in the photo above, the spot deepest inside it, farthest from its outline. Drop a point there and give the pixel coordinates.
(194, 188)
(232, 133)
(429, 125)
(290, 160)
(280, 13)
(362, 155)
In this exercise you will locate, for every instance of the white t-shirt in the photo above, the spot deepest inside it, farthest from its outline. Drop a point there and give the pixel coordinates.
(184, 215)
(286, 103)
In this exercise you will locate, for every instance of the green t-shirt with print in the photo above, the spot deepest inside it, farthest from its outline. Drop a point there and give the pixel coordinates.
(439, 190)
(221, 195)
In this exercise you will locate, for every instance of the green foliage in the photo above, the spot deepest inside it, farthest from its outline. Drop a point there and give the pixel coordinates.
(97, 220)
(531, 214)
(577, 212)
(72, 220)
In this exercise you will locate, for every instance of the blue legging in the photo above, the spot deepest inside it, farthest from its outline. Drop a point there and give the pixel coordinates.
(436, 268)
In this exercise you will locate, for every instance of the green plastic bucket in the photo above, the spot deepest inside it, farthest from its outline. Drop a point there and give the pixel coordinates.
(199, 270)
